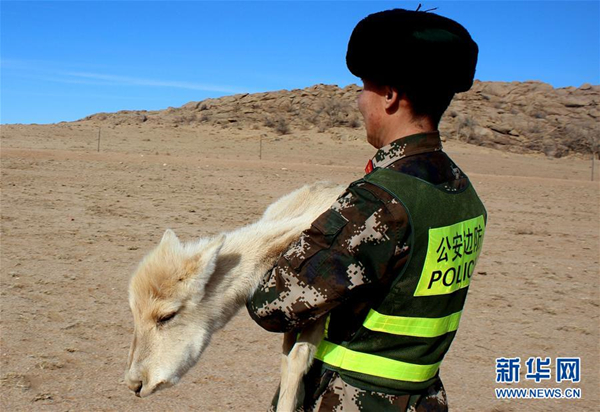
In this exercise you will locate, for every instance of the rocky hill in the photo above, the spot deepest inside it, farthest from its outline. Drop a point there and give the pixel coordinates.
(518, 117)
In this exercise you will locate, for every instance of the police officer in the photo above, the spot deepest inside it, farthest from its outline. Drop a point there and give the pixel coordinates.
(389, 264)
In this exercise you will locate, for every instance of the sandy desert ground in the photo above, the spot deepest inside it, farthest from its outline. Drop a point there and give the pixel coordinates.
(75, 223)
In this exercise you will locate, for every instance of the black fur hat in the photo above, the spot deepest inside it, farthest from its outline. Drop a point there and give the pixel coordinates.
(413, 49)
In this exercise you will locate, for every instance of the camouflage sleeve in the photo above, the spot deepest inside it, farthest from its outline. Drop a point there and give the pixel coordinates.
(346, 249)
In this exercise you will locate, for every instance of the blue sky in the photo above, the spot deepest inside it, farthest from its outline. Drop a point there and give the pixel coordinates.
(65, 60)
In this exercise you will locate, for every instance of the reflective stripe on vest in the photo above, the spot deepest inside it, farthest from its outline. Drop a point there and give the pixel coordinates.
(408, 326)
(343, 358)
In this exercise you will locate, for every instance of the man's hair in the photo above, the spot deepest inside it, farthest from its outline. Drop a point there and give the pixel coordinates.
(428, 103)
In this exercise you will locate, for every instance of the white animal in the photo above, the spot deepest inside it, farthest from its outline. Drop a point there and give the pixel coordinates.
(182, 293)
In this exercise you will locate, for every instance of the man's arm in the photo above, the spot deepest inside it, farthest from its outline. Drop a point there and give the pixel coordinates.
(348, 248)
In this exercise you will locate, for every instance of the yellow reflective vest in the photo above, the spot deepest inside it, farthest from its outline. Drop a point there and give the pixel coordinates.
(402, 341)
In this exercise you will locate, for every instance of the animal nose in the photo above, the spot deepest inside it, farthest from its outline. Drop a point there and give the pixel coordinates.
(134, 384)
(137, 388)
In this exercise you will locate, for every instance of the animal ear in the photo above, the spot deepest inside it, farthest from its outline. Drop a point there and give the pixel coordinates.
(205, 263)
(169, 238)
(209, 255)
(202, 265)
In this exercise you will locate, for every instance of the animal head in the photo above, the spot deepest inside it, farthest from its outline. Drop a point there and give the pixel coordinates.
(165, 292)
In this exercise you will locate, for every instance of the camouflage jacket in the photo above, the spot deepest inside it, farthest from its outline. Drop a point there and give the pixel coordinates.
(345, 265)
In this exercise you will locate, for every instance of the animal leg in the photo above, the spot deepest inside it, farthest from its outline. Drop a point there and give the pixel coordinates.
(298, 362)
(289, 339)
(283, 382)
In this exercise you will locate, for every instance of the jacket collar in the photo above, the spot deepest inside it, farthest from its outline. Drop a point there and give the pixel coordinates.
(407, 146)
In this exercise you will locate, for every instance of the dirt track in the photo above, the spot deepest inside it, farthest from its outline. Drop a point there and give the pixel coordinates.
(76, 222)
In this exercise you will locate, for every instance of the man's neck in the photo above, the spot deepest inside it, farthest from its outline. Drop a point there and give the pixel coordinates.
(405, 129)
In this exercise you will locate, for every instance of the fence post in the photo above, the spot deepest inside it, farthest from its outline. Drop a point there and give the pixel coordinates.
(593, 156)
(98, 139)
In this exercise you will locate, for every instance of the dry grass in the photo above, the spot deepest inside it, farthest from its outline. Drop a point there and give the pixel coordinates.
(278, 123)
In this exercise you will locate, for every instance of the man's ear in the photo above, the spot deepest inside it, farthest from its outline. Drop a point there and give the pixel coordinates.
(392, 98)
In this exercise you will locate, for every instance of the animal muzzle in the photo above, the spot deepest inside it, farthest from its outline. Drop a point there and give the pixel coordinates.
(142, 387)
(134, 383)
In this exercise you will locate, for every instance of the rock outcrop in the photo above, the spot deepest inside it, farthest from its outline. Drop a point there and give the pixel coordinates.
(518, 116)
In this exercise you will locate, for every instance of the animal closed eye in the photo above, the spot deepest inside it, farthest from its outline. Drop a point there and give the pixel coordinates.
(164, 319)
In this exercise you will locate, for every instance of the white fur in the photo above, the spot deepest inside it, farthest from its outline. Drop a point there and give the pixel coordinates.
(205, 283)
